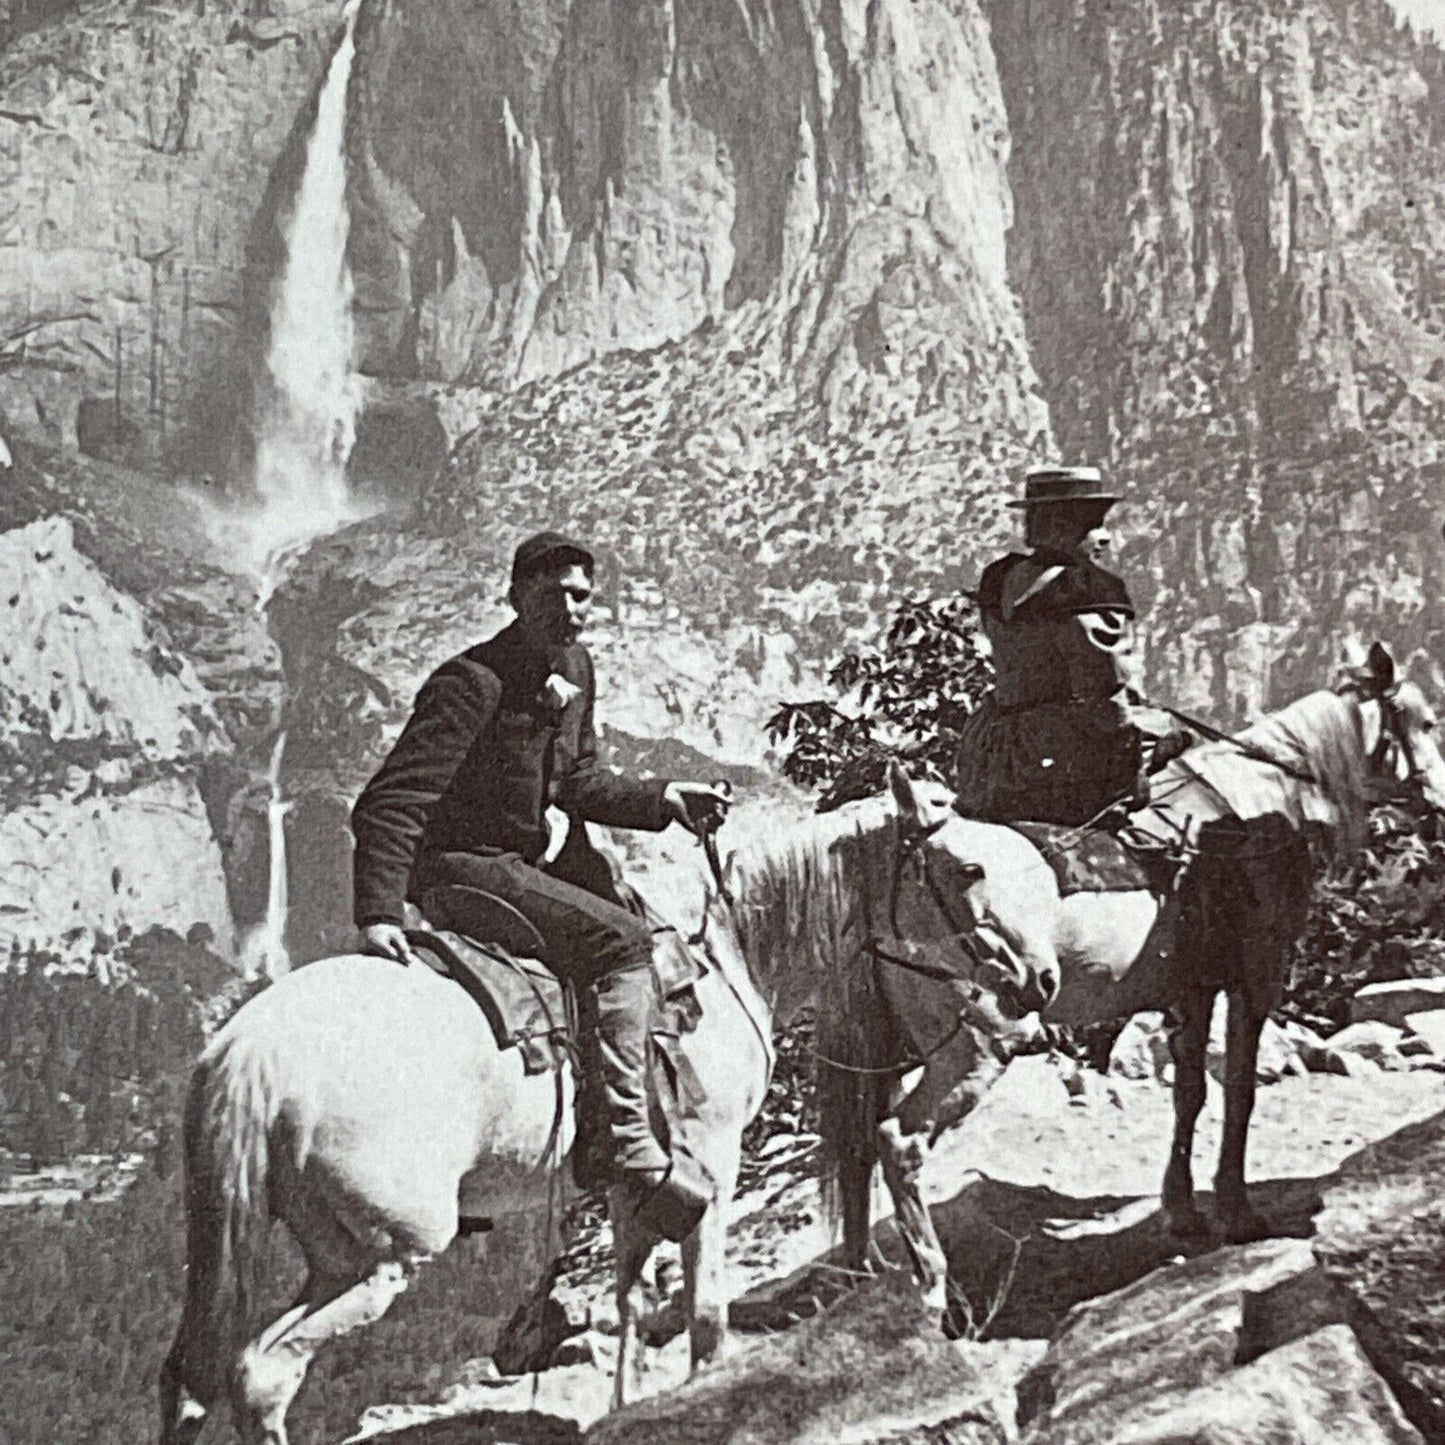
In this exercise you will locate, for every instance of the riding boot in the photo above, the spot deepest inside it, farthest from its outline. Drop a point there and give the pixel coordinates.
(624, 1008)
(672, 1200)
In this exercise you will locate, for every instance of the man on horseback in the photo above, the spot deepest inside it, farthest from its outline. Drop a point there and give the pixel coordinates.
(456, 822)
(1062, 738)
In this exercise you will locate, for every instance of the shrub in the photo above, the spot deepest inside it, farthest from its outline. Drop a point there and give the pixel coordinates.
(907, 701)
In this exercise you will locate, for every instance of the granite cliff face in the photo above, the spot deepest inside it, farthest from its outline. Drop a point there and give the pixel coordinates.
(144, 154)
(778, 297)
(1227, 254)
(104, 730)
(136, 679)
(774, 300)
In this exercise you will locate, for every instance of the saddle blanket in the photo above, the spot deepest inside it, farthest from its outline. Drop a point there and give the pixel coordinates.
(525, 1003)
(1093, 861)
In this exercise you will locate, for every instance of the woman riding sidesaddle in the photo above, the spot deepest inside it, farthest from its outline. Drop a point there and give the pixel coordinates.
(1062, 738)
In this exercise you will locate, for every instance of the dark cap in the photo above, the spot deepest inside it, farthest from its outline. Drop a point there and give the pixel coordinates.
(1043, 485)
(544, 550)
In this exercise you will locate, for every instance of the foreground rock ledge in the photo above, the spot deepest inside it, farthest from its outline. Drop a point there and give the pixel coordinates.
(1241, 1345)
(1381, 1240)
(872, 1368)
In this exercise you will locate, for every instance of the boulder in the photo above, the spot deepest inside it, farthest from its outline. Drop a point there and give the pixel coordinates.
(1381, 1239)
(1175, 1329)
(1427, 1028)
(1142, 1049)
(1240, 1345)
(874, 1366)
(1278, 1057)
(1320, 1388)
(1368, 1044)
(1393, 1001)
(1309, 1047)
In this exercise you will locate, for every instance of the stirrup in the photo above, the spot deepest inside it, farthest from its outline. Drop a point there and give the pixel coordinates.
(675, 1205)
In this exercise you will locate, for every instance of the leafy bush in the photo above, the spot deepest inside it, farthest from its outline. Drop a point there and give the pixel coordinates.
(906, 701)
(1385, 920)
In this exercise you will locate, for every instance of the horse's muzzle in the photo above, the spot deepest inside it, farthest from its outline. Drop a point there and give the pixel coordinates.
(1041, 989)
(1027, 990)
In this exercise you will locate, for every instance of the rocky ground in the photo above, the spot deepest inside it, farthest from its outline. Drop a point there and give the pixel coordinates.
(1097, 1325)
(776, 300)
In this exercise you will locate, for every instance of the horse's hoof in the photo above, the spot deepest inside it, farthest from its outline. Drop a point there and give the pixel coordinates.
(1189, 1224)
(1244, 1226)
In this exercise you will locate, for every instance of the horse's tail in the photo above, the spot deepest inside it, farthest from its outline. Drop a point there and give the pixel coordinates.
(230, 1110)
(858, 1045)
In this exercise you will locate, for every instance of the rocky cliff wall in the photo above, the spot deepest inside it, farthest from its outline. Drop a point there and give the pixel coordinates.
(774, 301)
(103, 730)
(138, 679)
(795, 292)
(143, 155)
(732, 285)
(741, 271)
(1226, 252)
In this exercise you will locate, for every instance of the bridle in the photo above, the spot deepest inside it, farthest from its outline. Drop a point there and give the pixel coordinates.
(974, 1014)
(1393, 735)
(910, 852)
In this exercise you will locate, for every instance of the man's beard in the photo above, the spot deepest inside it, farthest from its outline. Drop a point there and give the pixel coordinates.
(554, 639)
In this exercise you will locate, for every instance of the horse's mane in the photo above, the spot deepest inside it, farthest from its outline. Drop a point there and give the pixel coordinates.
(800, 890)
(1319, 736)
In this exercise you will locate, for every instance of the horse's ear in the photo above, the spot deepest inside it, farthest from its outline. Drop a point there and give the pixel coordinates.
(1380, 668)
(1352, 656)
(911, 806)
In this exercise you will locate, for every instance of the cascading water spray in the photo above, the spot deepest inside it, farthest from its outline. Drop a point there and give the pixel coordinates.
(264, 951)
(313, 394)
(306, 418)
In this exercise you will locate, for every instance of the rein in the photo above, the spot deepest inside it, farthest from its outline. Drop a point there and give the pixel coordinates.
(971, 1015)
(1392, 732)
(910, 848)
(1249, 750)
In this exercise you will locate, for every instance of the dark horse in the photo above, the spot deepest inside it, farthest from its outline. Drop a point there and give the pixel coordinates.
(1259, 815)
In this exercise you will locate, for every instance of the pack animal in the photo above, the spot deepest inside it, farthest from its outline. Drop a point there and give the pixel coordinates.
(1257, 819)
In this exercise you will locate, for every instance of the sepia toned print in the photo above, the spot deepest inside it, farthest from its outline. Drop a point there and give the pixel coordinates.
(719, 721)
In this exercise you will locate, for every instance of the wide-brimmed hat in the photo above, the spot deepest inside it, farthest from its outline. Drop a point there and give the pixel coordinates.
(544, 550)
(1043, 485)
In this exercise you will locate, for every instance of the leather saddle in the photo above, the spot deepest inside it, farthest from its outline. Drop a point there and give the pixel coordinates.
(1096, 860)
(523, 1001)
(528, 1007)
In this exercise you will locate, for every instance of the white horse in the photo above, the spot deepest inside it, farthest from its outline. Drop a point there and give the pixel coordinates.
(1256, 818)
(366, 1105)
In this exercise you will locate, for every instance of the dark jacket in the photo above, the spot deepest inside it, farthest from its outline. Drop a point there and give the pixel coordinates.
(475, 768)
(1030, 606)
(1057, 740)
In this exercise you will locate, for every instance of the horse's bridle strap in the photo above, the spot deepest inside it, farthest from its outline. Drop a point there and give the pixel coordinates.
(910, 844)
(939, 972)
(1392, 730)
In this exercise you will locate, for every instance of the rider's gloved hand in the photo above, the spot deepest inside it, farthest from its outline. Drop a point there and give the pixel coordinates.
(389, 941)
(1169, 747)
(698, 806)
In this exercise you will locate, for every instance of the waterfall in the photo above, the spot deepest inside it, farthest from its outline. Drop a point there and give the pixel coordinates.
(264, 950)
(310, 396)
(308, 417)
(306, 426)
